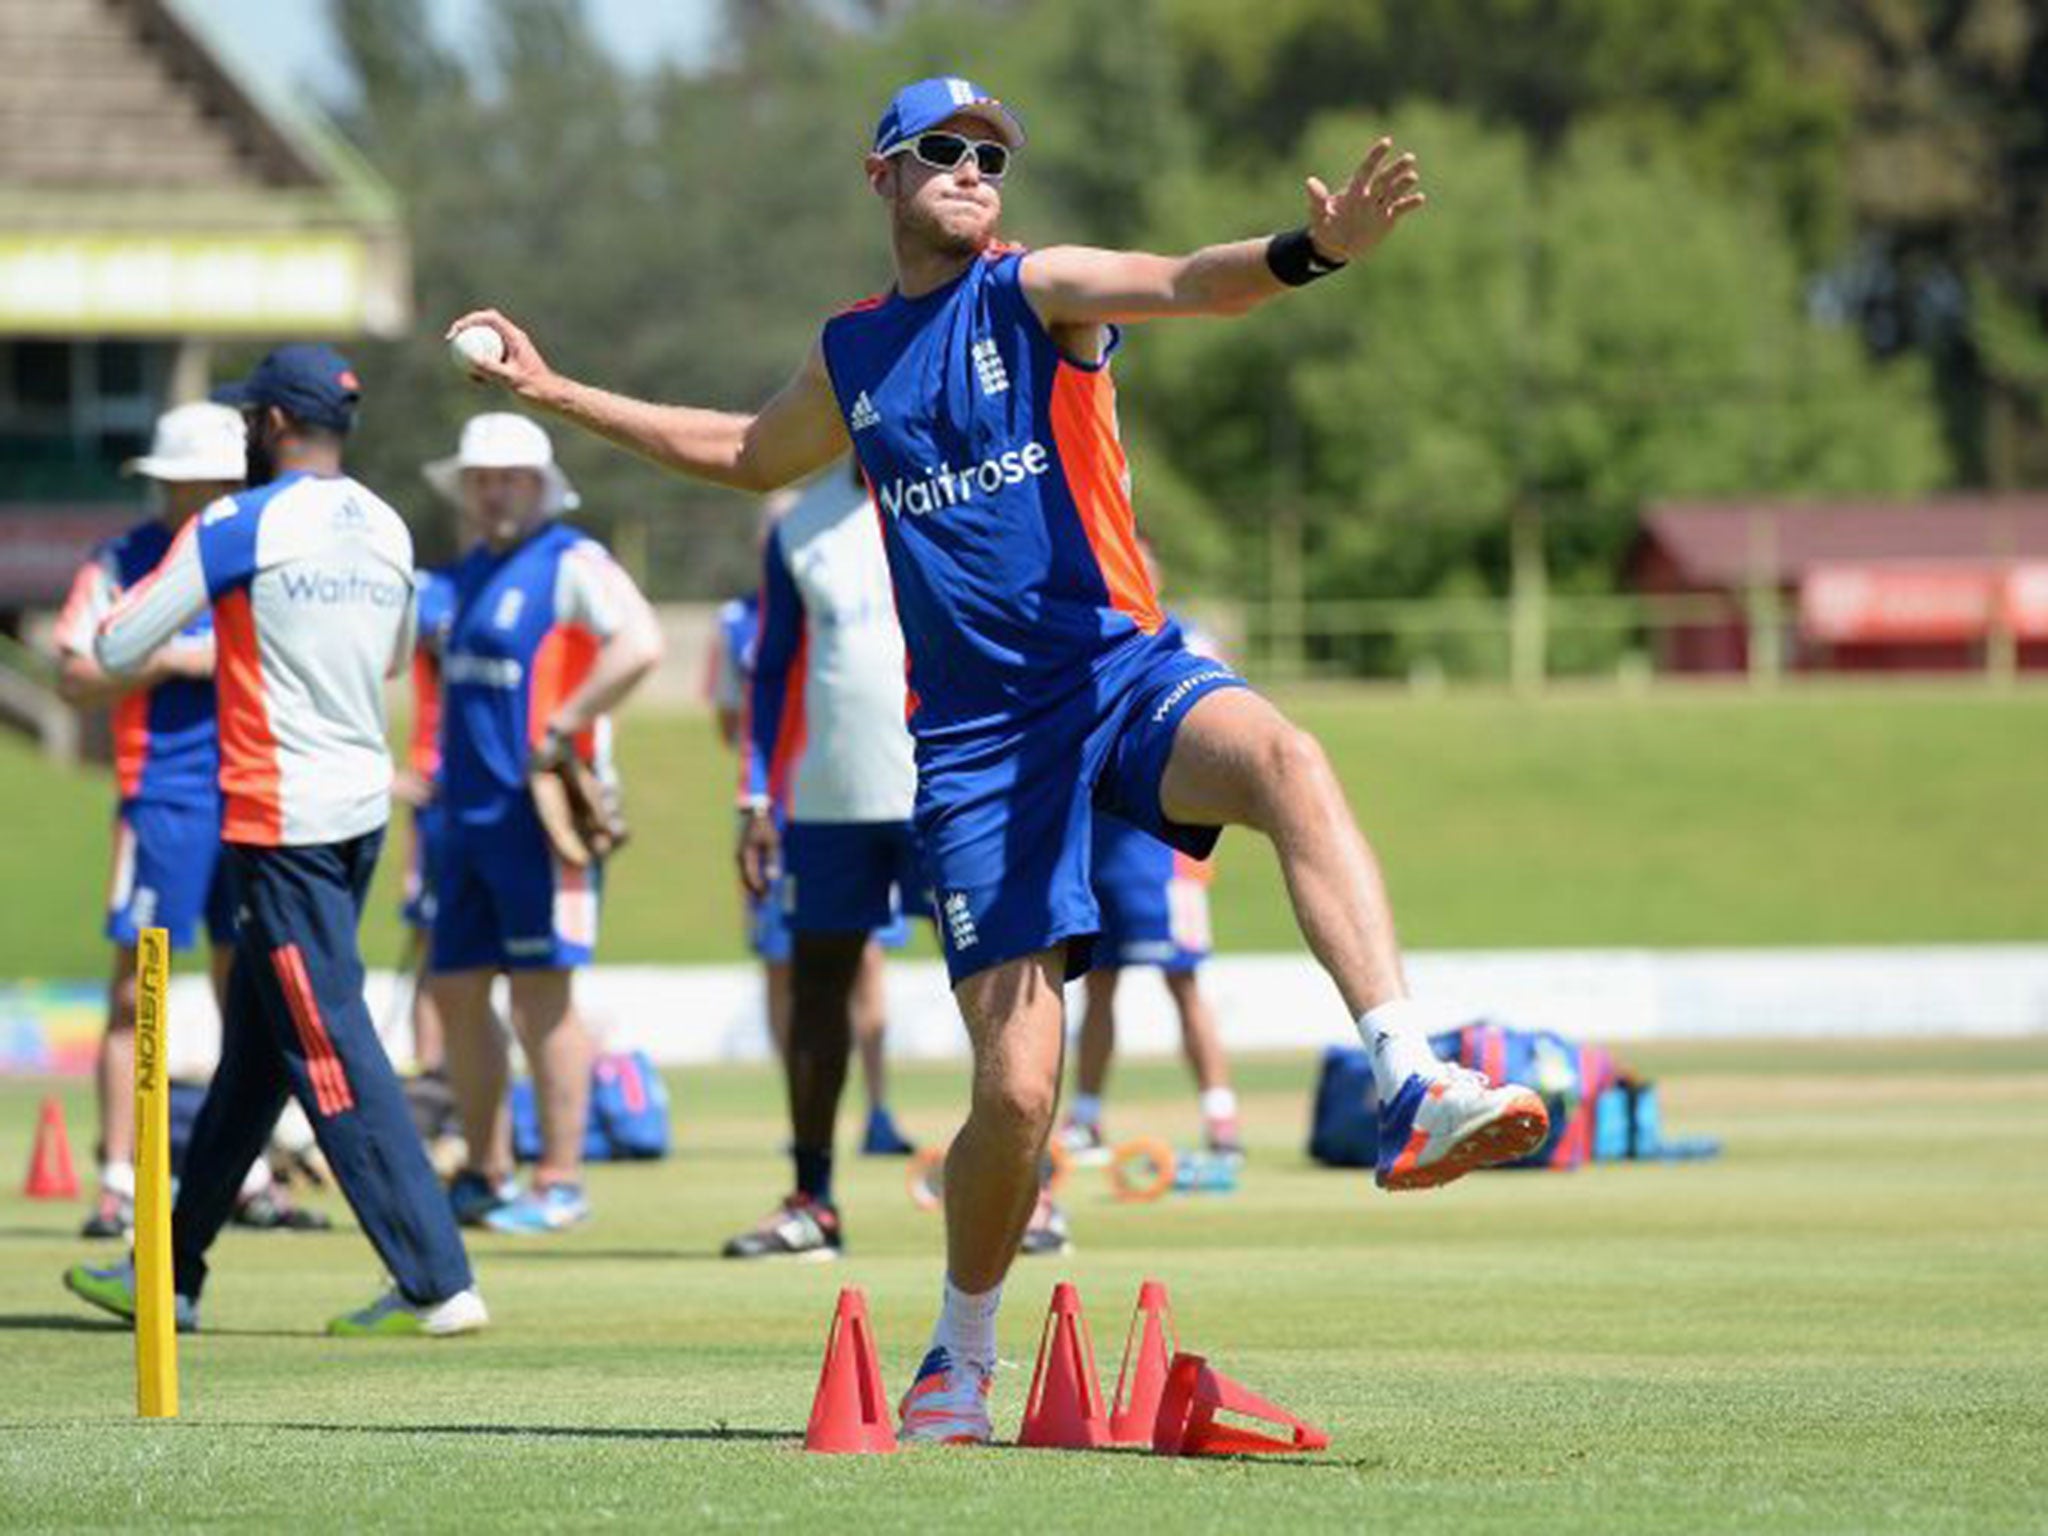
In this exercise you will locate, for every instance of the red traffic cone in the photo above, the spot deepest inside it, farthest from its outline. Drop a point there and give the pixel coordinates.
(1065, 1411)
(1195, 1394)
(50, 1175)
(1149, 1344)
(849, 1414)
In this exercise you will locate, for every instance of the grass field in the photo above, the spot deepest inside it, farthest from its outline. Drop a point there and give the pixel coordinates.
(1837, 1327)
(1685, 818)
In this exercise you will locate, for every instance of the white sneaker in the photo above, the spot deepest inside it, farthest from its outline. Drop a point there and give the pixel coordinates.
(948, 1403)
(1440, 1128)
(392, 1316)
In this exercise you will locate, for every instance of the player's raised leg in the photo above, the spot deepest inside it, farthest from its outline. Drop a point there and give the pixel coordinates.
(1236, 760)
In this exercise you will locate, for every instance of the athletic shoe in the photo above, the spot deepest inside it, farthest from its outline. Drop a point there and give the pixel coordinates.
(113, 1216)
(391, 1316)
(1223, 1136)
(948, 1403)
(1046, 1235)
(1083, 1144)
(271, 1210)
(799, 1228)
(549, 1208)
(883, 1139)
(113, 1290)
(1441, 1128)
(472, 1197)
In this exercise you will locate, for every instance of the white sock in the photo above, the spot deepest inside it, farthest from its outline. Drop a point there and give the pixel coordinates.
(967, 1324)
(1087, 1109)
(1219, 1103)
(1397, 1035)
(118, 1179)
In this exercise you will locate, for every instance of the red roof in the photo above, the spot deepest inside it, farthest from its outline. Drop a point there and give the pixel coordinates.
(1710, 541)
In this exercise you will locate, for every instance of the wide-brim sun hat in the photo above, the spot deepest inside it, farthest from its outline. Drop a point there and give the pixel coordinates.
(200, 441)
(502, 440)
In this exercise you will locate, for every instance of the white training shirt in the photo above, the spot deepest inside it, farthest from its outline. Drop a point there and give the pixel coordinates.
(826, 737)
(310, 580)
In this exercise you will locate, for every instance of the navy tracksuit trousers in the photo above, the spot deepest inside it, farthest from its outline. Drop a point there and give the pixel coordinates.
(296, 1024)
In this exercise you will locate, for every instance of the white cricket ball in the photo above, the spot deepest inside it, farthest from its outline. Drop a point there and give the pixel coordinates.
(476, 344)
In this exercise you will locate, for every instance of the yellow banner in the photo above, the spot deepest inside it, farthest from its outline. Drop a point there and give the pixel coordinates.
(136, 283)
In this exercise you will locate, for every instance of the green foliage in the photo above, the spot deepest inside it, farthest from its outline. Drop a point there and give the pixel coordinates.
(1606, 302)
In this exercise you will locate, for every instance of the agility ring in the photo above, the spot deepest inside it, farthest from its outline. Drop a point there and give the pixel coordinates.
(1141, 1169)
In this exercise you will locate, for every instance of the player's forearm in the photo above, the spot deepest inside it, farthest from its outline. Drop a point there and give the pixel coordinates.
(1225, 279)
(150, 616)
(709, 445)
(622, 664)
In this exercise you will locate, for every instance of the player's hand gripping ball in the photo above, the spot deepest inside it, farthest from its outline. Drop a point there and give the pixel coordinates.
(476, 344)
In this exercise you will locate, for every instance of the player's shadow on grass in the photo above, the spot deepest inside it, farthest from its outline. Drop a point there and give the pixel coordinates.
(546, 1431)
(59, 1322)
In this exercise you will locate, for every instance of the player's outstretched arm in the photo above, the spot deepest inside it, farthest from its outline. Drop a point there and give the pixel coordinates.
(1080, 285)
(796, 433)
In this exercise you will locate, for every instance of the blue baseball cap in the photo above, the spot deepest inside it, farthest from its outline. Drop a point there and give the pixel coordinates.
(921, 107)
(307, 381)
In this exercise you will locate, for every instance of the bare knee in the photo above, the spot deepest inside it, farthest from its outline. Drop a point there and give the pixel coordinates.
(1295, 776)
(1016, 1105)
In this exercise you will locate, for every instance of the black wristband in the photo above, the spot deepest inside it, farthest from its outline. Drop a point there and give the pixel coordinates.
(1294, 259)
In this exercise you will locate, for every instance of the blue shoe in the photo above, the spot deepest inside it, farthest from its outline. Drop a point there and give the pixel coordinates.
(472, 1197)
(113, 1290)
(883, 1139)
(1441, 1128)
(551, 1209)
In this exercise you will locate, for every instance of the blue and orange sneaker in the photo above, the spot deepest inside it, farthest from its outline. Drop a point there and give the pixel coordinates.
(1440, 1128)
(948, 1403)
(544, 1208)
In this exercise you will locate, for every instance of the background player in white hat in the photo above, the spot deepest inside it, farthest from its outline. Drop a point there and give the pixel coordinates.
(547, 635)
(167, 869)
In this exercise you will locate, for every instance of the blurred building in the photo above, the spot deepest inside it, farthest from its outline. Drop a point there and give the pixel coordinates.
(1947, 585)
(152, 206)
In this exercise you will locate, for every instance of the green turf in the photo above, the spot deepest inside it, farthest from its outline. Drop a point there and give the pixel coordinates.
(1836, 1328)
(1686, 818)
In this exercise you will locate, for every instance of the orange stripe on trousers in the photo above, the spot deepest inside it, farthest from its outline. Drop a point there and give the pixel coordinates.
(331, 1091)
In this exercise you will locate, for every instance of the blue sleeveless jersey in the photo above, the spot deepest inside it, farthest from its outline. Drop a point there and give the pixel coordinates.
(1004, 497)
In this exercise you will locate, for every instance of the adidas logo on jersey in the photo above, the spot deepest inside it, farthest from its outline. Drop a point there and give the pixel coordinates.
(988, 367)
(864, 415)
(959, 921)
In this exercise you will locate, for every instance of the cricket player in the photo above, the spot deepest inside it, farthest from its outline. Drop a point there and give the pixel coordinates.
(547, 635)
(825, 745)
(766, 924)
(309, 578)
(1045, 681)
(168, 871)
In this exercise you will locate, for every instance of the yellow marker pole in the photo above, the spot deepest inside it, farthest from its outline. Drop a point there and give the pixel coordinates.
(156, 1329)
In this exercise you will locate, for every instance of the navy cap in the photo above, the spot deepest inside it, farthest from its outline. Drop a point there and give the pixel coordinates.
(307, 381)
(923, 106)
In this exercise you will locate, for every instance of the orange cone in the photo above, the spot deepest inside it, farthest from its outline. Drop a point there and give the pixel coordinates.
(1065, 1411)
(849, 1414)
(50, 1175)
(1195, 1394)
(1149, 1344)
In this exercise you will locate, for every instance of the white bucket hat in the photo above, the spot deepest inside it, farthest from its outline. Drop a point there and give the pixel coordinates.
(201, 441)
(501, 440)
